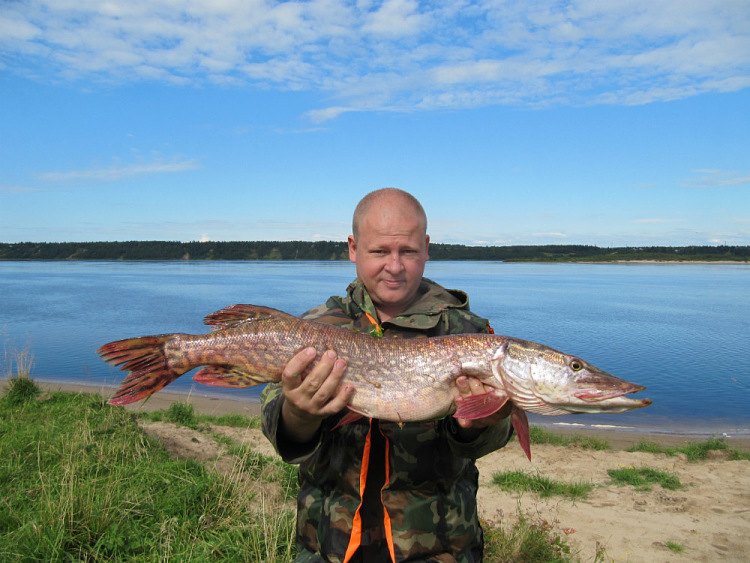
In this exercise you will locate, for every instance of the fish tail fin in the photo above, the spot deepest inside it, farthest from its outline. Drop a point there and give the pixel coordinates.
(147, 363)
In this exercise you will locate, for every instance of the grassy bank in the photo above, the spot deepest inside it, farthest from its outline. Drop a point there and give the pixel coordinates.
(80, 480)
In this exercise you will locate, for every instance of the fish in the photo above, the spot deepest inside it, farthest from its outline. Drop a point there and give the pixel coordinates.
(400, 380)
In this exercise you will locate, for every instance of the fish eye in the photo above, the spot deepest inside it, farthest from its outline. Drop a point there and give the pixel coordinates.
(576, 365)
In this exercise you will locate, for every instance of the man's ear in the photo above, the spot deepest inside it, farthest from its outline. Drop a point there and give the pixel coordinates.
(352, 248)
(427, 246)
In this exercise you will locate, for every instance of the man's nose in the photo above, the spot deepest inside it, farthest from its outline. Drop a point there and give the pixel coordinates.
(394, 263)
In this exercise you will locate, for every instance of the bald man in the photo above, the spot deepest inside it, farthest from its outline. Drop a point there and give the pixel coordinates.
(375, 490)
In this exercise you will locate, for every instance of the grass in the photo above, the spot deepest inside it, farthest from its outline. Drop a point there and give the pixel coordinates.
(643, 477)
(183, 414)
(674, 547)
(260, 466)
(544, 487)
(694, 451)
(540, 435)
(79, 480)
(21, 388)
(527, 540)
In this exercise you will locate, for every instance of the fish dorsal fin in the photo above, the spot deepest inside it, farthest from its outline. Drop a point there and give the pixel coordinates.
(236, 314)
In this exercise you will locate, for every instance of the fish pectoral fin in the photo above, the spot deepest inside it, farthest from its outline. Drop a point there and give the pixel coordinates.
(240, 313)
(521, 425)
(478, 406)
(227, 376)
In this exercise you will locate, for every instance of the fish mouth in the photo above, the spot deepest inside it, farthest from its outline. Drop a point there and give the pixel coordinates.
(605, 402)
(596, 395)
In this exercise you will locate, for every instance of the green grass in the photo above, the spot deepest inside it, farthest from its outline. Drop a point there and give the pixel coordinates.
(674, 547)
(694, 451)
(20, 387)
(183, 413)
(80, 481)
(260, 466)
(21, 390)
(643, 477)
(527, 540)
(526, 482)
(540, 435)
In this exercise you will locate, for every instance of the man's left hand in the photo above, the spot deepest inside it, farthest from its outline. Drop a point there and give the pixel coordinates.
(468, 386)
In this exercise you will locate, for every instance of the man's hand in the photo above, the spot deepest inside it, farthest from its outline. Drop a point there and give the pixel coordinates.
(468, 386)
(307, 402)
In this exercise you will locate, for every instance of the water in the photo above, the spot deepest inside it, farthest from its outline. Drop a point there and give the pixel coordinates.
(681, 330)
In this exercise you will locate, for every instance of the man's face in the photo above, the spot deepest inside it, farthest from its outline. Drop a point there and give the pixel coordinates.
(390, 252)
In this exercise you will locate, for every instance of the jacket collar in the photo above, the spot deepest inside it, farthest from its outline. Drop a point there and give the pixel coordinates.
(432, 300)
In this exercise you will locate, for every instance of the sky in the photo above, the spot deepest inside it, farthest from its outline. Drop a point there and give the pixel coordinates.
(544, 122)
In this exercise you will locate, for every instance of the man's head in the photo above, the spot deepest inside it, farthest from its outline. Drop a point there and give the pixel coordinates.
(389, 248)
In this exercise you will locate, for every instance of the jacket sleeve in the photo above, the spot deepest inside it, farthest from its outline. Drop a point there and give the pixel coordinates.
(291, 452)
(486, 441)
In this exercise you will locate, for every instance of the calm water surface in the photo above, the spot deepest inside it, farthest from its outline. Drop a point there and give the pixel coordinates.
(681, 330)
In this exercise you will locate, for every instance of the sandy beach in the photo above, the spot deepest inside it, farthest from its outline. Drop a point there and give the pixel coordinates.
(709, 518)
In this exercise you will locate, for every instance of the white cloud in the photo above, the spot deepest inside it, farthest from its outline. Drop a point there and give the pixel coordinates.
(11, 189)
(394, 55)
(119, 172)
(713, 178)
(395, 18)
(551, 235)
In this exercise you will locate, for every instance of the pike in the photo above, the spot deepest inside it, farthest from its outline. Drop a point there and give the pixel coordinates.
(398, 380)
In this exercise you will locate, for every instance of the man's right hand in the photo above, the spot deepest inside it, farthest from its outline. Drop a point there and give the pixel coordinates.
(307, 402)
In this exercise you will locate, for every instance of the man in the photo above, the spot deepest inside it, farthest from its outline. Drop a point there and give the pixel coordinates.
(375, 490)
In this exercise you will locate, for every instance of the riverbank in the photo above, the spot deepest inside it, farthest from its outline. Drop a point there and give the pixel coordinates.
(704, 519)
(617, 438)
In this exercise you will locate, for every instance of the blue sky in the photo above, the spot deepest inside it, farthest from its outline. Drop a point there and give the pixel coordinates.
(579, 122)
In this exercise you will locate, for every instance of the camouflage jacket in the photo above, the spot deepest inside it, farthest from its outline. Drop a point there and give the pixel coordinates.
(420, 478)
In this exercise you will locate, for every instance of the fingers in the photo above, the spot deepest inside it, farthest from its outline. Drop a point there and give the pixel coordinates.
(331, 396)
(291, 377)
(470, 386)
(319, 393)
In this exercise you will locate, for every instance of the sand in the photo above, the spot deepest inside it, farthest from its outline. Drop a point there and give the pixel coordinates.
(709, 519)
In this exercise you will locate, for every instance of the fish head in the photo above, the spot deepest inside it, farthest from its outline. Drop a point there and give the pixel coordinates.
(540, 379)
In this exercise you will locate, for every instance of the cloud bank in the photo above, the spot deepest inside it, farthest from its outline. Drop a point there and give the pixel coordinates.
(393, 55)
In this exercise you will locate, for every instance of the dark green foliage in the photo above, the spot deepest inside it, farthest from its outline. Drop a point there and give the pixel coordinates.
(21, 390)
(522, 482)
(528, 541)
(694, 451)
(181, 413)
(643, 477)
(540, 435)
(334, 250)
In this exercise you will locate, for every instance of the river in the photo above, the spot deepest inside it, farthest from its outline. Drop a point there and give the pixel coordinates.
(682, 330)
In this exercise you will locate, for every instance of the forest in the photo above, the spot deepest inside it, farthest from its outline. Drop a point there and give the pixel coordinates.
(332, 250)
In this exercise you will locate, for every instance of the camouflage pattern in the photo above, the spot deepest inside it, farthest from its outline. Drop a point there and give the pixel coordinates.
(430, 493)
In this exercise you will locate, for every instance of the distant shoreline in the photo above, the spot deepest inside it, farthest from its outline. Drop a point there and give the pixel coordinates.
(333, 251)
(676, 262)
(618, 438)
(610, 262)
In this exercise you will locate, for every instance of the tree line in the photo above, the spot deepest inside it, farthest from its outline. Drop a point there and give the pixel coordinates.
(332, 250)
